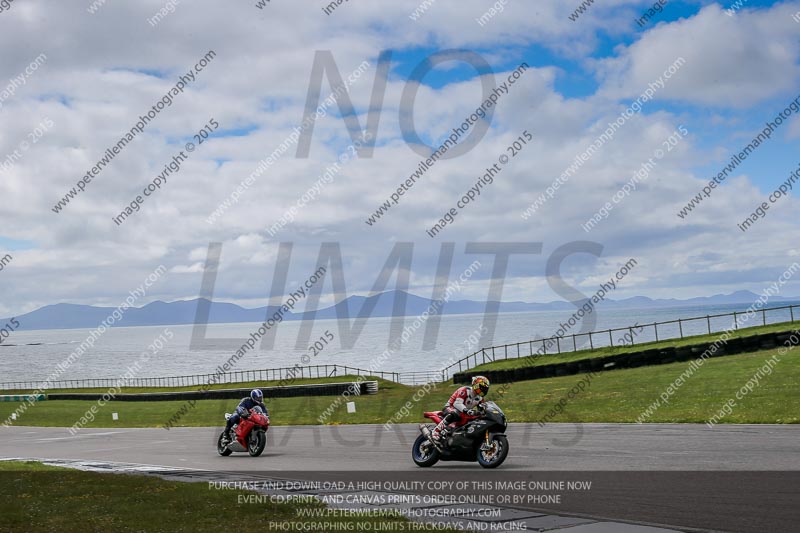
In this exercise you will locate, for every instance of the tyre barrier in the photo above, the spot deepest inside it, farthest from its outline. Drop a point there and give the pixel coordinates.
(289, 391)
(22, 397)
(649, 357)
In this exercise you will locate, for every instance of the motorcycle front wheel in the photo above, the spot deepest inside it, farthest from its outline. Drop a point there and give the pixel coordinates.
(224, 451)
(496, 454)
(424, 453)
(257, 442)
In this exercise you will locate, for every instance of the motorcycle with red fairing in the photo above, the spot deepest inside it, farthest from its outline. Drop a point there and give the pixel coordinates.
(250, 432)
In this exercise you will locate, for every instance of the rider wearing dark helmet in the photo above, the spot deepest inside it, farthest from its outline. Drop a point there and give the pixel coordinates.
(464, 400)
(256, 399)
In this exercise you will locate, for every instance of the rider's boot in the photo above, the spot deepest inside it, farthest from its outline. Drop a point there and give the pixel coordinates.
(436, 434)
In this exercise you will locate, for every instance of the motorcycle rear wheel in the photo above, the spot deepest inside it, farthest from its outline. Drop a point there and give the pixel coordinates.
(500, 444)
(426, 458)
(257, 442)
(224, 451)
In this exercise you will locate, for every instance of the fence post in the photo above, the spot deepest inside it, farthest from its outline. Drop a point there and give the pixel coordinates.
(708, 320)
(574, 344)
(591, 344)
(735, 322)
(544, 348)
(505, 350)
(680, 327)
(764, 316)
(632, 341)
(655, 326)
(791, 311)
(558, 344)
(611, 338)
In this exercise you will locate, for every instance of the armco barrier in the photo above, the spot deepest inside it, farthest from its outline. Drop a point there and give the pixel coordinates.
(321, 389)
(658, 356)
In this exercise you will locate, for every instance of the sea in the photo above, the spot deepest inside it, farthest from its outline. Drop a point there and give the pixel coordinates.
(33, 355)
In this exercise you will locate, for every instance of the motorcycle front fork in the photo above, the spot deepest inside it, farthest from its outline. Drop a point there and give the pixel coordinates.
(486, 445)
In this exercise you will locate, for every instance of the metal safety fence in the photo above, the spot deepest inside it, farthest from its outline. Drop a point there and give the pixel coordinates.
(626, 336)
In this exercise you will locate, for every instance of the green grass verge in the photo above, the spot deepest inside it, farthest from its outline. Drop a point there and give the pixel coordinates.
(612, 396)
(37, 497)
(283, 411)
(580, 355)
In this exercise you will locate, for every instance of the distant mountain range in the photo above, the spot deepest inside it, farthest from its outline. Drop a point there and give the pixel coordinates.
(70, 316)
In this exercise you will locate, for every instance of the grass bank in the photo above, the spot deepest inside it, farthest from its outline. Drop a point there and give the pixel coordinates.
(623, 395)
(37, 497)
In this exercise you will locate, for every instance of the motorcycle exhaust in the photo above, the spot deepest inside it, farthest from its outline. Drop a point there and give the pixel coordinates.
(236, 447)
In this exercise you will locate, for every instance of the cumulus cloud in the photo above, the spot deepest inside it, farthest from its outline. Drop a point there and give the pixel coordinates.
(106, 69)
(737, 60)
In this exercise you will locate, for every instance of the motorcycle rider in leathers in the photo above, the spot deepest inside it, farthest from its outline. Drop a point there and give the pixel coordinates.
(464, 400)
(256, 399)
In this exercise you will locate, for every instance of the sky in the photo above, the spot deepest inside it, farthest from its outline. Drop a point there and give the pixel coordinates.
(86, 71)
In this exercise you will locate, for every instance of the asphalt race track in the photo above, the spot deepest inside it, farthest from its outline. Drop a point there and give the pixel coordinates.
(689, 477)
